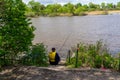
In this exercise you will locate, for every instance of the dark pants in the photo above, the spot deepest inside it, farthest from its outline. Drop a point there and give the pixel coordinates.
(53, 63)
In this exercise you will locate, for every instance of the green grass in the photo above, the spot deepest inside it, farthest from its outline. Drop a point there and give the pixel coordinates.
(95, 56)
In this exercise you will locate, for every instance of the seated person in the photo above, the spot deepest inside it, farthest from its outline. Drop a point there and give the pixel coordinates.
(54, 58)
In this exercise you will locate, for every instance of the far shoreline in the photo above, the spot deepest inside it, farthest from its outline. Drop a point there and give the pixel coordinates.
(103, 12)
(97, 12)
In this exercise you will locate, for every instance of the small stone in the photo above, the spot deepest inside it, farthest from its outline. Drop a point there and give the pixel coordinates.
(98, 73)
(111, 78)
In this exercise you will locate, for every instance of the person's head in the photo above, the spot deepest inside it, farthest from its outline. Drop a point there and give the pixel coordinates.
(53, 49)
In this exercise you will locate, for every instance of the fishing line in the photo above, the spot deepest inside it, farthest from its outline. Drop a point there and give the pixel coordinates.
(65, 41)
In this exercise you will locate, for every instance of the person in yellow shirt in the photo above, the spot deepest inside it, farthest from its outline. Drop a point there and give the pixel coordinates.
(54, 58)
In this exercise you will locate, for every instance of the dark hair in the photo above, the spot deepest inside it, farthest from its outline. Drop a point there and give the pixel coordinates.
(53, 49)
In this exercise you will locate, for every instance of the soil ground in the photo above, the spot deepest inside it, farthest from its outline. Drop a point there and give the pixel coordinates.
(59, 72)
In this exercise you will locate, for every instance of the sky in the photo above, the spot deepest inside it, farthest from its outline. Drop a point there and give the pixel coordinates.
(73, 1)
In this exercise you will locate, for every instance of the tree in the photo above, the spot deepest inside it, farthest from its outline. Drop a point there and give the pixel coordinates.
(97, 7)
(92, 6)
(53, 7)
(63, 9)
(118, 5)
(103, 5)
(86, 7)
(70, 7)
(110, 6)
(56, 7)
(2, 7)
(80, 11)
(36, 7)
(78, 5)
(16, 30)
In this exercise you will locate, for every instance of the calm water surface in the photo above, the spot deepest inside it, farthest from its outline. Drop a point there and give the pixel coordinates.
(64, 32)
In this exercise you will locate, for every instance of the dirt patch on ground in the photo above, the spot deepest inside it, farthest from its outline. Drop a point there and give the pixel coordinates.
(59, 72)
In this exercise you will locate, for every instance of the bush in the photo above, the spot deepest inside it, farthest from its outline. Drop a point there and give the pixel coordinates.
(95, 56)
(116, 62)
(16, 31)
(30, 14)
(82, 14)
(37, 56)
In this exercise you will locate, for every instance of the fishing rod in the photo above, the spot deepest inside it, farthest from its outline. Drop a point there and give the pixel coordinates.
(65, 41)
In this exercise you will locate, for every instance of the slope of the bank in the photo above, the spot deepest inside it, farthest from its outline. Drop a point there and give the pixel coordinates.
(59, 72)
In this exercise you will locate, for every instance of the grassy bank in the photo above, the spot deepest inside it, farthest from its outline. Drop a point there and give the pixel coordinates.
(94, 56)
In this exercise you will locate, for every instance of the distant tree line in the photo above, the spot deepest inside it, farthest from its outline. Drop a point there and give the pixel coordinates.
(69, 9)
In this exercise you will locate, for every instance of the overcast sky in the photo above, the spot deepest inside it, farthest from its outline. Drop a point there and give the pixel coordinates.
(73, 1)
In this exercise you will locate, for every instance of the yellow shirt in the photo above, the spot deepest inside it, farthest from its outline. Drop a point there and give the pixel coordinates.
(52, 56)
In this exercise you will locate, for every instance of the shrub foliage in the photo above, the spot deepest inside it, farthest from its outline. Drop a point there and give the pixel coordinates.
(95, 56)
(37, 56)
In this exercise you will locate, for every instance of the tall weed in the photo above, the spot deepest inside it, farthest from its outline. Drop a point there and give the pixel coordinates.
(96, 56)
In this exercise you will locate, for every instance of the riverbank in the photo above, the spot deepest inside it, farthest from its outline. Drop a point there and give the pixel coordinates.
(103, 12)
(93, 13)
(80, 14)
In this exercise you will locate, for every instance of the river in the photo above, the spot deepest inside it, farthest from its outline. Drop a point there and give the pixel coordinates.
(65, 32)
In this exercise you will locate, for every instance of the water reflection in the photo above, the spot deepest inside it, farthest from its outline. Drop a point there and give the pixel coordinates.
(53, 31)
